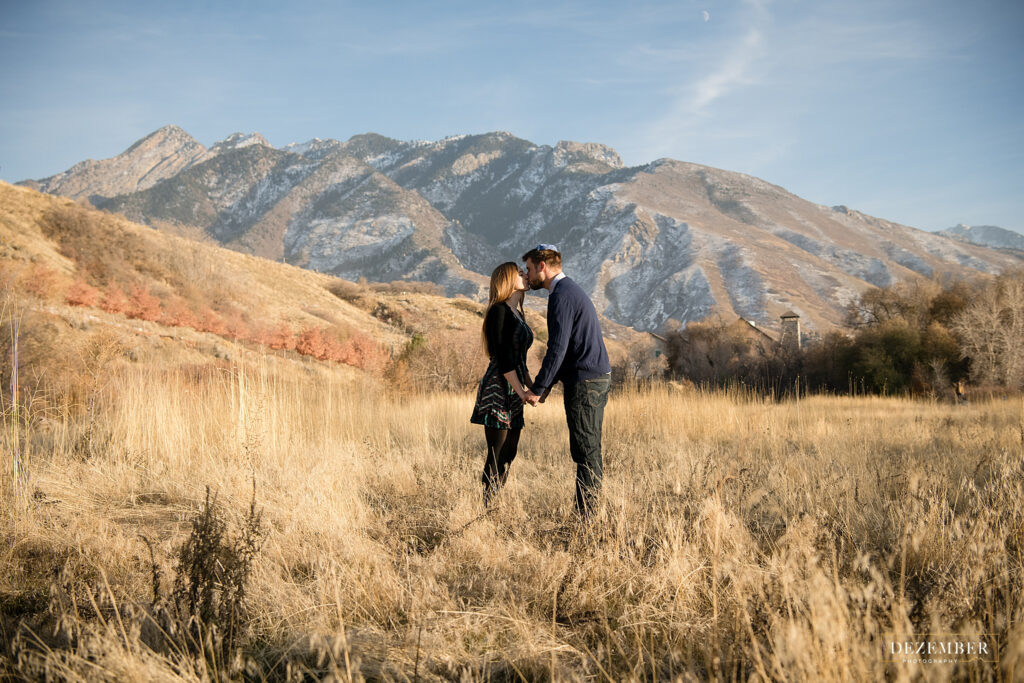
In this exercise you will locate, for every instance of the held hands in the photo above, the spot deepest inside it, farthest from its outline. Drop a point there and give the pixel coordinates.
(533, 399)
(524, 394)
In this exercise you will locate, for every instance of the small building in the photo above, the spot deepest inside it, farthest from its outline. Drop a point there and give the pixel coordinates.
(790, 338)
(761, 341)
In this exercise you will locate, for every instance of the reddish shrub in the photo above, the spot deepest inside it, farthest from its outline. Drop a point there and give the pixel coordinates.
(178, 314)
(211, 322)
(321, 343)
(114, 299)
(358, 349)
(277, 336)
(313, 342)
(281, 337)
(361, 351)
(333, 348)
(81, 293)
(142, 304)
(40, 281)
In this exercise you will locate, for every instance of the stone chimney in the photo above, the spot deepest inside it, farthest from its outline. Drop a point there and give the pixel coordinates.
(790, 330)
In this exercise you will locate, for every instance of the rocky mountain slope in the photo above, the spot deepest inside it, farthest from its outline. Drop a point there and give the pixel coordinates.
(986, 236)
(664, 241)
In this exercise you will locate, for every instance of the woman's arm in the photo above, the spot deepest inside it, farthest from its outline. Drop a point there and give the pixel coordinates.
(517, 386)
(501, 337)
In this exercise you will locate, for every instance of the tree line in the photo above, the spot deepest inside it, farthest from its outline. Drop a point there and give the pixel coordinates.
(921, 338)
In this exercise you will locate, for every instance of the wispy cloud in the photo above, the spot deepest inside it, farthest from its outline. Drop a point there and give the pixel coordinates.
(693, 99)
(731, 73)
(733, 68)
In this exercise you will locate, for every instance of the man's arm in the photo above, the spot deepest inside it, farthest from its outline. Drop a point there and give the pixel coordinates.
(559, 328)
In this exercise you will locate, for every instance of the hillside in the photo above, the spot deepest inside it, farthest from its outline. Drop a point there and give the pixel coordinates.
(82, 276)
(162, 298)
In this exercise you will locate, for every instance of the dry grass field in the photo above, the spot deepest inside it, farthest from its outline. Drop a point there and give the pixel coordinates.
(739, 539)
(178, 503)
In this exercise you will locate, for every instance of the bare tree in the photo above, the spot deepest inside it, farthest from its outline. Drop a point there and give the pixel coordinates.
(991, 331)
(909, 301)
(642, 361)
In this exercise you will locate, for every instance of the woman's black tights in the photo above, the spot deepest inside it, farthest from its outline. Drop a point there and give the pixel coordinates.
(502, 445)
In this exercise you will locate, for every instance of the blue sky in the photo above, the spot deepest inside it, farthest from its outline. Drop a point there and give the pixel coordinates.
(907, 110)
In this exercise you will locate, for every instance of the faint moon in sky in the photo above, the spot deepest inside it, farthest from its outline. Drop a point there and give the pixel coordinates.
(707, 15)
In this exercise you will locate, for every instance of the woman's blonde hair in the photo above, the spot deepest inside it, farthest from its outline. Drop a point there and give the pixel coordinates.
(503, 285)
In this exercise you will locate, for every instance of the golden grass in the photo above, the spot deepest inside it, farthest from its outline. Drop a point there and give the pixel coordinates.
(740, 539)
(39, 230)
(108, 246)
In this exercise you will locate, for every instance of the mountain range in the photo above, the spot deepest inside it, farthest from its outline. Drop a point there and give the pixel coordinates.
(652, 244)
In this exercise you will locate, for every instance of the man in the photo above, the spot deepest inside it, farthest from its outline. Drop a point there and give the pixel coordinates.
(576, 357)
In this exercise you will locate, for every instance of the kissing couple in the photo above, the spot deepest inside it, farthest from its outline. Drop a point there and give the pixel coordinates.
(576, 357)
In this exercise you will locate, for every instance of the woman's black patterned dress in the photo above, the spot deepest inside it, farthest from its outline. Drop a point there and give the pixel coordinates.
(509, 338)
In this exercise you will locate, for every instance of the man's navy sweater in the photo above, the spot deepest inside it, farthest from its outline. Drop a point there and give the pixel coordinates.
(575, 347)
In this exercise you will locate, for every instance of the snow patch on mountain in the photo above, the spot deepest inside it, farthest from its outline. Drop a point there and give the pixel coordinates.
(238, 141)
(260, 199)
(312, 149)
(907, 259)
(743, 283)
(387, 160)
(301, 148)
(344, 246)
(653, 275)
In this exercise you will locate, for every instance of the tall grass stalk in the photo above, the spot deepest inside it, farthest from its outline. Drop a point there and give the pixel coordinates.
(16, 474)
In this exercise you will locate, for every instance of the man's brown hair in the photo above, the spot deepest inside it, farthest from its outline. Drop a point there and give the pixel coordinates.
(548, 256)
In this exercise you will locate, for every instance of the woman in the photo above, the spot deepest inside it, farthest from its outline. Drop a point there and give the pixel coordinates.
(499, 400)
